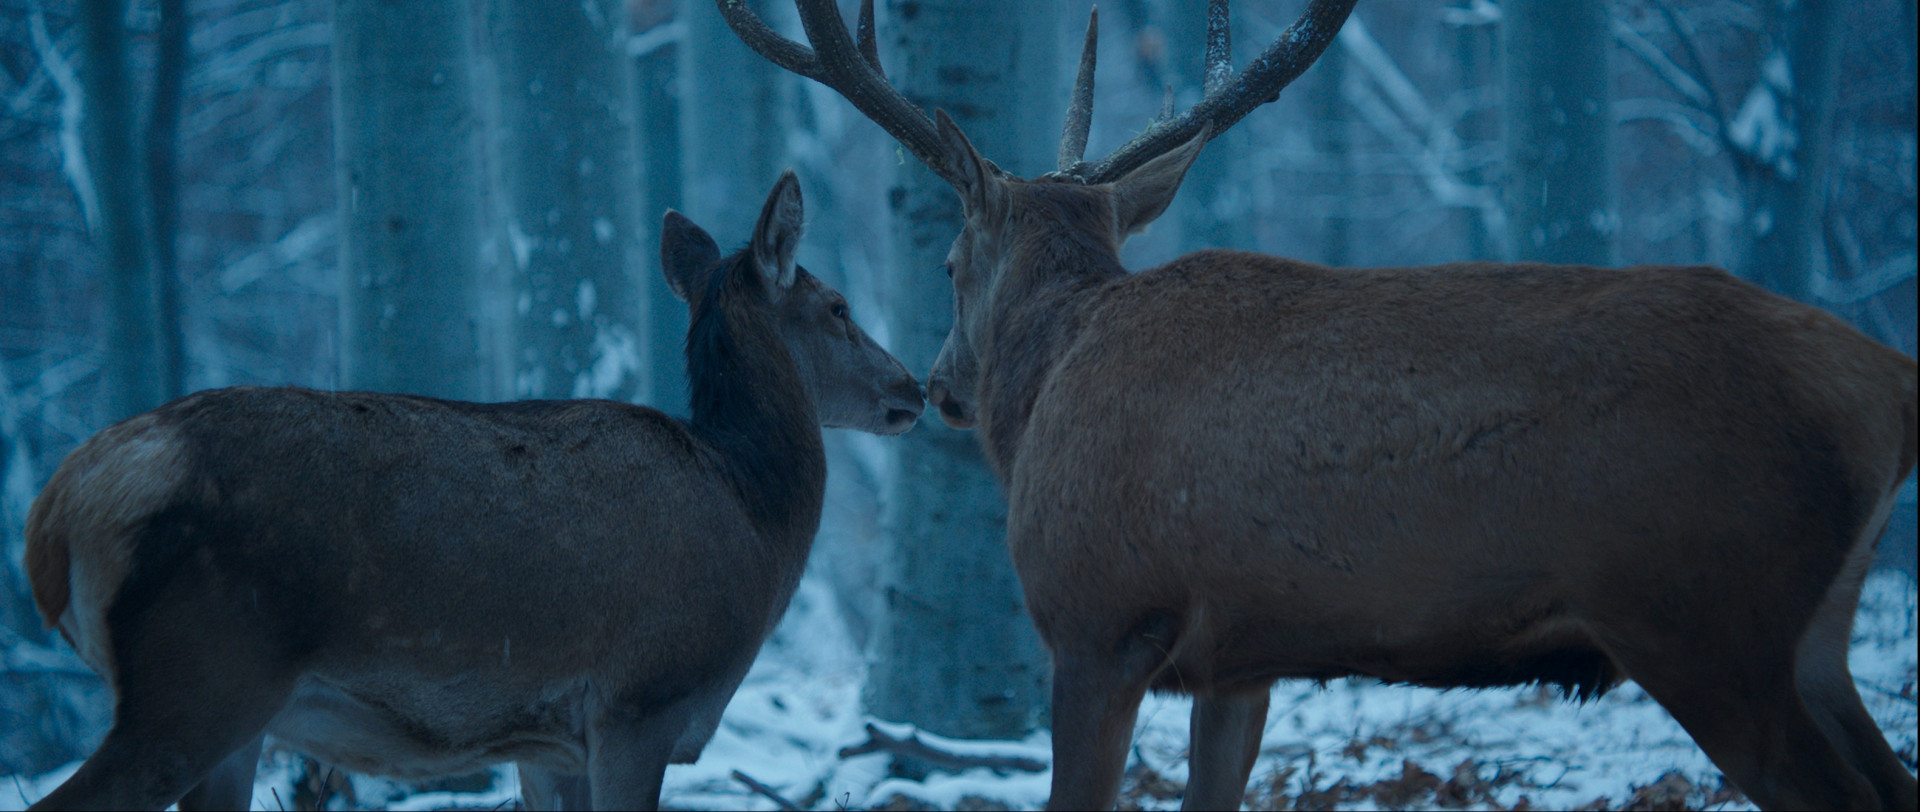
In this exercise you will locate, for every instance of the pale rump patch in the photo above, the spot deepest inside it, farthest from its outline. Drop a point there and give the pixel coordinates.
(79, 532)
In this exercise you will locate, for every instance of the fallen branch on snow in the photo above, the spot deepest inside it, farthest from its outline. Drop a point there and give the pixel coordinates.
(912, 747)
(765, 791)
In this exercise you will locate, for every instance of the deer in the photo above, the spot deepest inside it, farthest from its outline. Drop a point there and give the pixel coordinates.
(414, 586)
(1237, 468)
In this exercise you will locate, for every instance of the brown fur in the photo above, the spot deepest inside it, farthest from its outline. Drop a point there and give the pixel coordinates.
(1237, 468)
(415, 586)
(84, 524)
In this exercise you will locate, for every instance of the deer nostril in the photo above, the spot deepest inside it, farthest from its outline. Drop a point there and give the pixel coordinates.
(897, 416)
(952, 409)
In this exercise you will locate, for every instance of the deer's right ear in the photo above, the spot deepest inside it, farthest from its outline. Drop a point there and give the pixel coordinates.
(1143, 194)
(685, 251)
(982, 193)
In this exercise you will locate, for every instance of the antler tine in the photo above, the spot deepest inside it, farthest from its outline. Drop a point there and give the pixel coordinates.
(863, 32)
(1073, 139)
(1166, 105)
(837, 62)
(1256, 84)
(1219, 47)
(768, 43)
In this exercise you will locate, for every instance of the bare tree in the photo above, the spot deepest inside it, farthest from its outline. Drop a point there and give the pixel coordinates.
(409, 170)
(566, 198)
(658, 35)
(137, 322)
(955, 652)
(1559, 122)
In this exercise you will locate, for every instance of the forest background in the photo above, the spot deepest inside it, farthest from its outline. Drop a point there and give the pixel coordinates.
(460, 198)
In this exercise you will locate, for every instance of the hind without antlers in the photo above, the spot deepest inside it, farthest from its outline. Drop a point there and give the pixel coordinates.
(1238, 468)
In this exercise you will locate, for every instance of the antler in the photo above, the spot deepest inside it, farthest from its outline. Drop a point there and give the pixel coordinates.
(1229, 97)
(853, 70)
(1073, 139)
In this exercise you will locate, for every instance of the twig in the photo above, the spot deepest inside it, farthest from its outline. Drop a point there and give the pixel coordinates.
(912, 747)
(276, 799)
(765, 791)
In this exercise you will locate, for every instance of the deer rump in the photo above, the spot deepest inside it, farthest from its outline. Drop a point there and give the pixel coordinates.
(1456, 476)
(435, 575)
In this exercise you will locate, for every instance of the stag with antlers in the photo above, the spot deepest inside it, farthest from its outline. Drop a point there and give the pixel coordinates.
(1236, 468)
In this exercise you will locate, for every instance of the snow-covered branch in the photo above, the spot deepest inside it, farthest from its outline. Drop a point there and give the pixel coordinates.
(73, 153)
(1390, 103)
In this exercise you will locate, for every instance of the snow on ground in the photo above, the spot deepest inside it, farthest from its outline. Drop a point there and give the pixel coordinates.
(1352, 744)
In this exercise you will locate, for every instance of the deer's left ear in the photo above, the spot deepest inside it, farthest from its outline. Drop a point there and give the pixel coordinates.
(1144, 194)
(776, 237)
(982, 192)
(685, 253)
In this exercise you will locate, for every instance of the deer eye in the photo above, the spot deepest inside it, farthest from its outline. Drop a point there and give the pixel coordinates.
(838, 309)
(948, 266)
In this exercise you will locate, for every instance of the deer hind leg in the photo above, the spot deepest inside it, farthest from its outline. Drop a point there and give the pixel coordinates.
(189, 723)
(230, 785)
(1725, 669)
(1225, 736)
(1096, 695)
(628, 748)
(544, 789)
(1826, 684)
(198, 672)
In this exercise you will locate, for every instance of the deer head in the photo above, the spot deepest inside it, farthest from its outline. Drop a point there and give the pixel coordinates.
(854, 383)
(1102, 201)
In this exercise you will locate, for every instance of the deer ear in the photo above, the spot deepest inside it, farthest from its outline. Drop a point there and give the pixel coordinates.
(982, 193)
(685, 251)
(1142, 195)
(777, 235)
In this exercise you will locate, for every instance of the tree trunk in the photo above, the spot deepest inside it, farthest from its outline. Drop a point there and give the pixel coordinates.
(1333, 148)
(730, 133)
(1559, 190)
(955, 652)
(138, 376)
(656, 76)
(567, 197)
(163, 184)
(408, 143)
(1790, 190)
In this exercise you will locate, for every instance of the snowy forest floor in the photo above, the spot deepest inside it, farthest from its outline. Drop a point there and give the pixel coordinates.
(1351, 744)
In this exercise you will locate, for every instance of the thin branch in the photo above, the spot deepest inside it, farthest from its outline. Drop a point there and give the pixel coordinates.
(912, 747)
(1664, 67)
(73, 153)
(765, 791)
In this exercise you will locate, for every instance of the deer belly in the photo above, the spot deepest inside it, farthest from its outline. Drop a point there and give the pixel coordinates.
(426, 731)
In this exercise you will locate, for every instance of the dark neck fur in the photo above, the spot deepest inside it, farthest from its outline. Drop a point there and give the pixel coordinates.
(1048, 280)
(751, 408)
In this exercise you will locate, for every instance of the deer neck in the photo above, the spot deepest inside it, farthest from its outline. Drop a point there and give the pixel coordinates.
(751, 408)
(1036, 312)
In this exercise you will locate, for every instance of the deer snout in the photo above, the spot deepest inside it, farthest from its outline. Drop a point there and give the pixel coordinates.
(954, 413)
(903, 405)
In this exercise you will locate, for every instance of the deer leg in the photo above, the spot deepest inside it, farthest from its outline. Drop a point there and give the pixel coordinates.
(1826, 685)
(170, 738)
(198, 672)
(1749, 718)
(627, 753)
(230, 785)
(1096, 695)
(541, 788)
(1836, 706)
(1225, 736)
